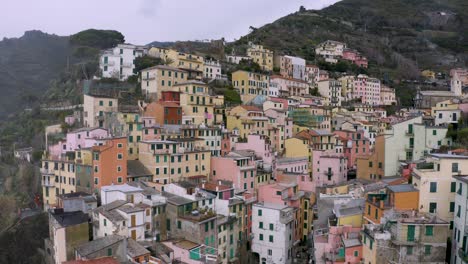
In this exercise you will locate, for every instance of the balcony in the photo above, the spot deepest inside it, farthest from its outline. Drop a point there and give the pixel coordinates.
(409, 133)
(48, 183)
(328, 173)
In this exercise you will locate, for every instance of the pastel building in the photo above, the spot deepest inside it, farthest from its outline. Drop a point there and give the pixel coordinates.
(407, 140)
(291, 67)
(459, 251)
(110, 163)
(273, 232)
(250, 84)
(247, 119)
(119, 62)
(367, 89)
(261, 145)
(155, 80)
(212, 70)
(331, 90)
(330, 50)
(290, 86)
(354, 145)
(436, 185)
(329, 168)
(95, 109)
(261, 55)
(239, 169)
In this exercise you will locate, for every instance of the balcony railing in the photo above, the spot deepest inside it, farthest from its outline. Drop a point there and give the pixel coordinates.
(328, 173)
(48, 183)
(47, 171)
(409, 133)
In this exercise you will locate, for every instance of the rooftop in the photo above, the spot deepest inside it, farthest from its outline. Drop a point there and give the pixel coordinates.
(69, 218)
(120, 188)
(354, 242)
(103, 260)
(402, 188)
(98, 244)
(134, 249)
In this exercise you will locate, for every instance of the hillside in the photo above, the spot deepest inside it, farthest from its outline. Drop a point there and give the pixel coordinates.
(399, 37)
(27, 65)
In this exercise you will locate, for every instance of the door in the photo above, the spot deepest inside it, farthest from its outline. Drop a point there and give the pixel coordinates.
(134, 235)
(133, 218)
(411, 232)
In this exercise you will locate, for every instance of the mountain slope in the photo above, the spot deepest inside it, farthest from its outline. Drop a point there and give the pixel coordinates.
(399, 36)
(27, 64)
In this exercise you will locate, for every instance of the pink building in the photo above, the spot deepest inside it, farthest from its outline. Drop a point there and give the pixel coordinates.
(151, 133)
(323, 75)
(294, 87)
(329, 168)
(355, 57)
(354, 145)
(236, 167)
(339, 245)
(78, 139)
(367, 89)
(296, 165)
(261, 145)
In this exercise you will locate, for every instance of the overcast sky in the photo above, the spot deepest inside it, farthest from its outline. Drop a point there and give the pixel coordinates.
(143, 21)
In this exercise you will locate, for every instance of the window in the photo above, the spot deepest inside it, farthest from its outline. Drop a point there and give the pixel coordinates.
(356, 253)
(433, 187)
(370, 164)
(260, 237)
(271, 226)
(452, 207)
(119, 156)
(453, 186)
(270, 238)
(109, 252)
(270, 252)
(101, 103)
(432, 207)
(260, 225)
(409, 250)
(454, 167)
(119, 179)
(168, 224)
(429, 230)
(427, 250)
(179, 224)
(459, 211)
(259, 212)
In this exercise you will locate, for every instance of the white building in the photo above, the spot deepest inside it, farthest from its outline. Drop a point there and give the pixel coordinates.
(118, 62)
(236, 58)
(212, 70)
(331, 90)
(292, 67)
(330, 50)
(273, 232)
(460, 228)
(446, 116)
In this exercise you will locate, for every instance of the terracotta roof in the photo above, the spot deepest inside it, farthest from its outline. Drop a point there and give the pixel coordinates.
(212, 187)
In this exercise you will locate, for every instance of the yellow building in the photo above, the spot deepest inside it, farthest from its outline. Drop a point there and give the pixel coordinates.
(131, 127)
(443, 106)
(191, 63)
(160, 78)
(246, 119)
(198, 106)
(250, 85)
(295, 148)
(172, 159)
(261, 55)
(436, 186)
(95, 108)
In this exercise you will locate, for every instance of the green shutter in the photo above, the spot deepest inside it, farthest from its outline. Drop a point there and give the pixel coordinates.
(411, 232)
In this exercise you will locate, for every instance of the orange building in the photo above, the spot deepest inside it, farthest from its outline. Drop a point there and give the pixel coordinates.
(400, 197)
(167, 113)
(371, 167)
(110, 163)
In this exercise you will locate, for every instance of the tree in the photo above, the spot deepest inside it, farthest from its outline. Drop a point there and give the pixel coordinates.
(102, 39)
(144, 62)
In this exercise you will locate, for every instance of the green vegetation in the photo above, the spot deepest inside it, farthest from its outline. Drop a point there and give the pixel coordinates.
(24, 243)
(146, 62)
(232, 97)
(101, 39)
